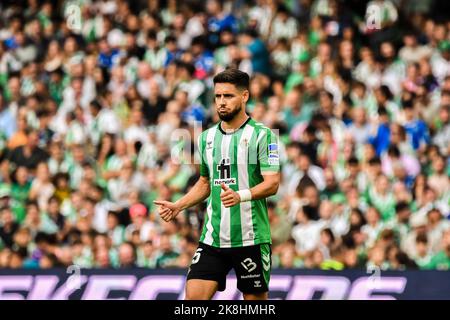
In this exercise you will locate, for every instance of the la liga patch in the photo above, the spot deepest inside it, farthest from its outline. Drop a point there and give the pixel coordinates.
(273, 147)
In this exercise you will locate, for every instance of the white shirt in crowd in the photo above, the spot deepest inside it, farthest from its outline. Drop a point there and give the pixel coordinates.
(306, 235)
(314, 172)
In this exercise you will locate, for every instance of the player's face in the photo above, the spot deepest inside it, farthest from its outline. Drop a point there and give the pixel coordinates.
(229, 100)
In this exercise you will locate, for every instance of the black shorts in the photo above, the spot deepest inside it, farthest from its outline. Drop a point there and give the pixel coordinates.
(251, 264)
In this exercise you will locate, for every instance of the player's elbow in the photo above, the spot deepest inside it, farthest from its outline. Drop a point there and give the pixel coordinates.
(272, 182)
(273, 187)
(206, 186)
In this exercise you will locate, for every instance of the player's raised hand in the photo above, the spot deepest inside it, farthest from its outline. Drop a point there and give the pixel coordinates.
(229, 197)
(167, 209)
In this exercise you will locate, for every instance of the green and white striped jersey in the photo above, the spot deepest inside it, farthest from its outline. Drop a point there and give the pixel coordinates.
(238, 160)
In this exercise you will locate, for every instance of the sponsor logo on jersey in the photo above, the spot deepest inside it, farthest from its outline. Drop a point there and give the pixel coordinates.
(273, 155)
(218, 182)
(274, 161)
(273, 147)
(224, 168)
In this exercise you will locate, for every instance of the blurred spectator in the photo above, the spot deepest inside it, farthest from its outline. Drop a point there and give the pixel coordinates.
(359, 94)
(28, 155)
(167, 255)
(127, 255)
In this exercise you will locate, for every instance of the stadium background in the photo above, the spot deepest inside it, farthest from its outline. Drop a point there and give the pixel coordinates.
(92, 92)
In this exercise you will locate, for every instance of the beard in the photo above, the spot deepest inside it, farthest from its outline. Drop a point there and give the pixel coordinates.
(228, 116)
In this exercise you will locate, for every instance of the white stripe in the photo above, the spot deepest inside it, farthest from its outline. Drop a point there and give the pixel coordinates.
(246, 207)
(209, 228)
(209, 158)
(262, 133)
(209, 152)
(225, 236)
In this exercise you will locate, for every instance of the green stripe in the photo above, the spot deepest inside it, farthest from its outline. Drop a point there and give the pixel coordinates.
(265, 252)
(260, 217)
(235, 211)
(215, 190)
(252, 182)
(203, 160)
(203, 169)
(204, 229)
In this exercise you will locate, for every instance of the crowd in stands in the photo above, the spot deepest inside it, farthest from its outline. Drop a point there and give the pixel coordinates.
(92, 91)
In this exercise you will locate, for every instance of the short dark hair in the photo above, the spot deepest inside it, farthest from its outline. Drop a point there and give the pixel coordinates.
(382, 111)
(407, 104)
(393, 151)
(250, 32)
(374, 161)
(421, 238)
(309, 211)
(234, 76)
(386, 92)
(189, 67)
(353, 161)
(402, 205)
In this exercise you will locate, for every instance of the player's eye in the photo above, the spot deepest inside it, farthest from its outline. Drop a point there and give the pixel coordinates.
(226, 96)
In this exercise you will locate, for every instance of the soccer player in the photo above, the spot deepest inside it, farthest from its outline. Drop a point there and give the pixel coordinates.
(239, 169)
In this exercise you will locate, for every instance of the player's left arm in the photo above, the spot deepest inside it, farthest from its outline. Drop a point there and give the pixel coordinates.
(267, 188)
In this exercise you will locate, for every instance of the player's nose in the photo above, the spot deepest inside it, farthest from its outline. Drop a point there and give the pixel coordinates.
(221, 101)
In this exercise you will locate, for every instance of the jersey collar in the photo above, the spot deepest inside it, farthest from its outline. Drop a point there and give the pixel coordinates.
(243, 125)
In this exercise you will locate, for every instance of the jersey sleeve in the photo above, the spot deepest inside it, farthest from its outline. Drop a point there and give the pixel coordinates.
(204, 172)
(268, 151)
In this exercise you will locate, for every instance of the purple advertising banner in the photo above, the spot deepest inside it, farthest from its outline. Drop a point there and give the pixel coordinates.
(148, 284)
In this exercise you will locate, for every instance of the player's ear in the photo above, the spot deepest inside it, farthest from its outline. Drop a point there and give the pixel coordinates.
(245, 95)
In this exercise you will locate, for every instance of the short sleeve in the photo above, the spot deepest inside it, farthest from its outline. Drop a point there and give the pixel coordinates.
(268, 151)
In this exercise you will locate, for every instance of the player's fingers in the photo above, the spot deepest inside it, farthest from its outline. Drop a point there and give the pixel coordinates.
(164, 211)
(229, 204)
(161, 202)
(224, 187)
(228, 198)
(225, 198)
(225, 193)
(228, 201)
(167, 217)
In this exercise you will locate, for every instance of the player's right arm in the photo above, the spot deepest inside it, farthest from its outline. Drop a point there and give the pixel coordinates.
(198, 193)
